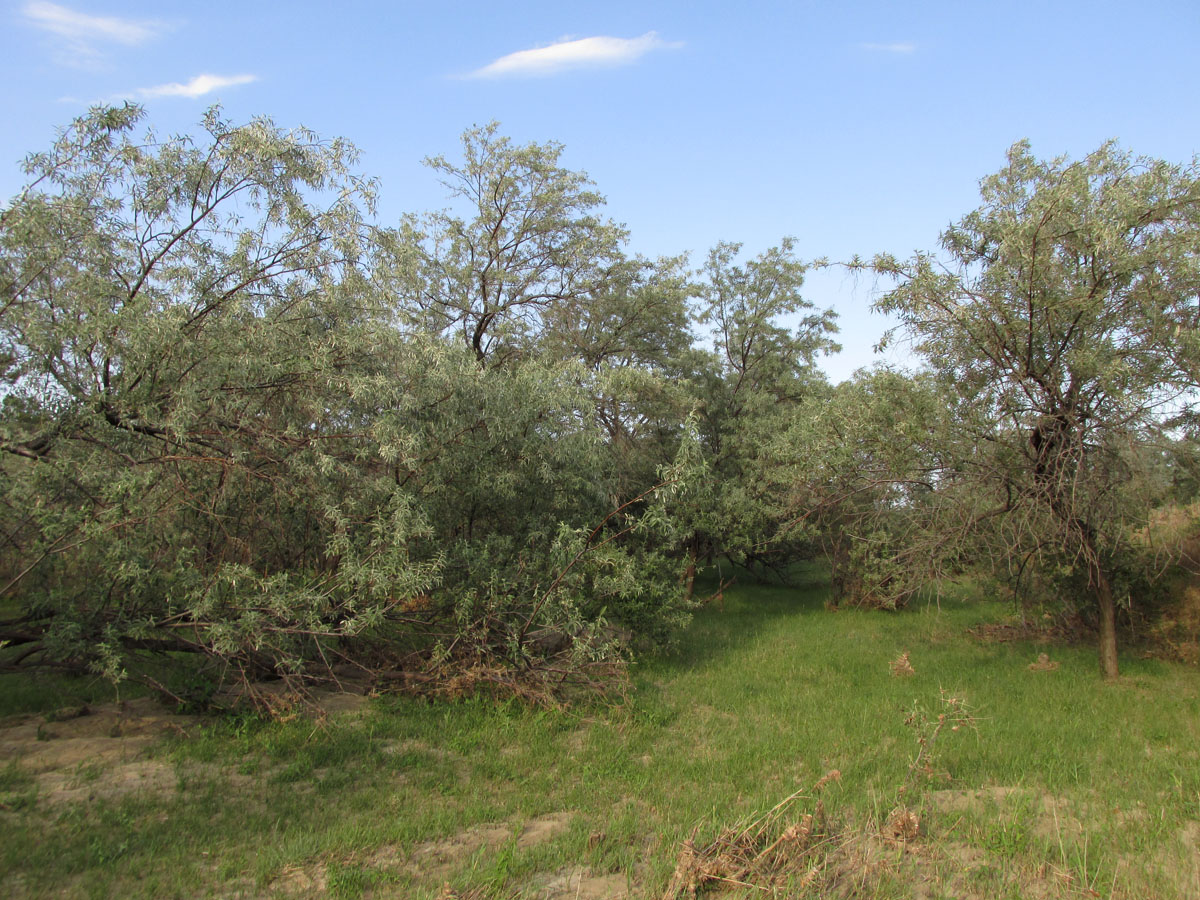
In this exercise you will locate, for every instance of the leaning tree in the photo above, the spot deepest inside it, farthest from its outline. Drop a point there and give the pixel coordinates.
(181, 443)
(240, 422)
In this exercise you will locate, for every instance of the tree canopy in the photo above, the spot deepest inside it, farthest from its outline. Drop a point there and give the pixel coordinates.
(246, 424)
(1063, 323)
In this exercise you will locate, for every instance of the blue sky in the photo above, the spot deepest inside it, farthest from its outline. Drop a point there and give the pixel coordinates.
(855, 127)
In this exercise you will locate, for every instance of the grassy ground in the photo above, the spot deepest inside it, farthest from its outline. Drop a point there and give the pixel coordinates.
(1065, 786)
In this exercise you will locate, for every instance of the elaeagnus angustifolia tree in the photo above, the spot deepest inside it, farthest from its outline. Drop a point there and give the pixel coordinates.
(766, 339)
(560, 406)
(182, 468)
(1062, 324)
(240, 420)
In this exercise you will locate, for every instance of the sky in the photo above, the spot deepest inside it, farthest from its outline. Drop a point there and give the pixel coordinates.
(854, 127)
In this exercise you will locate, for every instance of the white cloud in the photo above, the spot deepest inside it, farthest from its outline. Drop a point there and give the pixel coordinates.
(197, 87)
(897, 47)
(78, 34)
(574, 54)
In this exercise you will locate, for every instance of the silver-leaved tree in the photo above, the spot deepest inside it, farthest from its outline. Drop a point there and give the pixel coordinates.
(241, 421)
(1062, 323)
(180, 318)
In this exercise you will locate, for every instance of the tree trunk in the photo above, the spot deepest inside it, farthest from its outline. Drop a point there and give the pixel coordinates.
(1105, 605)
(689, 575)
(1102, 591)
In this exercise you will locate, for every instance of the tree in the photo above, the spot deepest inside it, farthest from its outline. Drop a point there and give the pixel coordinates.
(182, 453)
(634, 339)
(766, 339)
(530, 241)
(551, 352)
(1063, 325)
(864, 464)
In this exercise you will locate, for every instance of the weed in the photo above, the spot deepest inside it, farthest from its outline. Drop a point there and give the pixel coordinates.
(18, 790)
(1007, 839)
(955, 715)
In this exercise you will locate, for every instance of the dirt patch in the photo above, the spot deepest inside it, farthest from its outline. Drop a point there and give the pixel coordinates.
(302, 881)
(92, 753)
(583, 884)
(544, 828)
(147, 776)
(1055, 820)
(1186, 873)
(1050, 818)
(862, 861)
(436, 862)
(443, 856)
(99, 752)
(108, 734)
(964, 857)
(438, 859)
(982, 800)
(1190, 836)
(280, 699)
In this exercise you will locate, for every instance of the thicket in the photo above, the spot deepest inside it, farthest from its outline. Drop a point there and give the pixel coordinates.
(244, 423)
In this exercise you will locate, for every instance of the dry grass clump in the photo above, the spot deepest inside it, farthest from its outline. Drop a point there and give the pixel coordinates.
(448, 893)
(1043, 664)
(903, 825)
(902, 667)
(781, 849)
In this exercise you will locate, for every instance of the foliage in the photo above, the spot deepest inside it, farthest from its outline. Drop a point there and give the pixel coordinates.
(179, 327)
(863, 463)
(1063, 325)
(530, 244)
(239, 419)
(244, 422)
(760, 371)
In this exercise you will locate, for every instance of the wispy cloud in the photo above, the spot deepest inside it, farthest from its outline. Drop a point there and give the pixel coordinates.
(79, 36)
(577, 53)
(197, 87)
(897, 47)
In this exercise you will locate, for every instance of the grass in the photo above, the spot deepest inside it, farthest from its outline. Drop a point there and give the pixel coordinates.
(45, 692)
(1065, 783)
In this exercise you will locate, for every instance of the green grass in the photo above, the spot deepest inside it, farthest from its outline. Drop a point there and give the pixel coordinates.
(43, 692)
(759, 699)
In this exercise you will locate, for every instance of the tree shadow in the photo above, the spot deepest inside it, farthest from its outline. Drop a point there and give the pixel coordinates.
(731, 619)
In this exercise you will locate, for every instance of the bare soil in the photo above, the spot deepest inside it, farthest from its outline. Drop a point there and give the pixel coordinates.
(434, 862)
(92, 753)
(101, 751)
